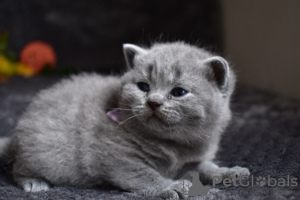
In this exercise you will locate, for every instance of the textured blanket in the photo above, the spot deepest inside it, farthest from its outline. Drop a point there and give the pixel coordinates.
(264, 136)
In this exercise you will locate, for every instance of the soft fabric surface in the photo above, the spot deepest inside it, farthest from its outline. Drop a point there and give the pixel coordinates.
(264, 136)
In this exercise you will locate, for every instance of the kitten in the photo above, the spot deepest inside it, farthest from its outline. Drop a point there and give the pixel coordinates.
(139, 132)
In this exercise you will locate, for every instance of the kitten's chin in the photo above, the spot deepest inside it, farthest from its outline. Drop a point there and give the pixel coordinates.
(159, 124)
(154, 119)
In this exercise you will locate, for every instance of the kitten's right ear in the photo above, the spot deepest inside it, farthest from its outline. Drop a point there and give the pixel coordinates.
(130, 51)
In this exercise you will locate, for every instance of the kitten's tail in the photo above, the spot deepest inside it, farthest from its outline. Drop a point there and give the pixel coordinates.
(6, 153)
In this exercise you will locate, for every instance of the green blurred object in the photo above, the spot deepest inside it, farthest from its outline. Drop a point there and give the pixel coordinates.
(3, 48)
(3, 41)
(10, 64)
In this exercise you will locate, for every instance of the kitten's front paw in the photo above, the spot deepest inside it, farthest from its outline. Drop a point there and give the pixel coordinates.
(178, 189)
(225, 172)
(211, 172)
(235, 172)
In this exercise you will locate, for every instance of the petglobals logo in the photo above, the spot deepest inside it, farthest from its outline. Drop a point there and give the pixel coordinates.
(198, 189)
(246, 181)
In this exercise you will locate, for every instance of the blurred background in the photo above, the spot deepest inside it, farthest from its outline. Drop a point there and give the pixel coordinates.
(260, 38)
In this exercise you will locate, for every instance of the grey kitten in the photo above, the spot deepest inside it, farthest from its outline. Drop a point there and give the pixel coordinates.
(140, 132)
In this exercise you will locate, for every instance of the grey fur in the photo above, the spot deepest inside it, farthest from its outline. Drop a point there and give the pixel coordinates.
(66, 138)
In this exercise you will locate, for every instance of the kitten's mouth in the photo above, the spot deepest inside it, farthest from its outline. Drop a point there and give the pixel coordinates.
(155, 120)
(155, 117)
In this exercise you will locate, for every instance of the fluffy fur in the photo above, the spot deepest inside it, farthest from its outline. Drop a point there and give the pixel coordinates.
(66, 138)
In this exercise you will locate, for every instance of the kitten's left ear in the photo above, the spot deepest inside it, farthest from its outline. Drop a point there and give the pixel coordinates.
(218, 71)
(130, 51)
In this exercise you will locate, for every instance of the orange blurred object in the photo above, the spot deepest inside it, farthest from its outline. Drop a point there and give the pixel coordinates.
(37, 55)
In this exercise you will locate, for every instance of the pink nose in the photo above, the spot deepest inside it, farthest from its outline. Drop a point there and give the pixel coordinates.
(153, 105)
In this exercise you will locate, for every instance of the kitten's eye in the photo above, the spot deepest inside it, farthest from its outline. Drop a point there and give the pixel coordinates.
(178, 92)
(143, 86)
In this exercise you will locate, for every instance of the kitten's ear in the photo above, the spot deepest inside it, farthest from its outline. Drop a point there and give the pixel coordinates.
(218, 71)
(130, 51)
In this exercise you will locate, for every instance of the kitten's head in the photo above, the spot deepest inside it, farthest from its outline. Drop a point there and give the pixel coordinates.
(174, 88)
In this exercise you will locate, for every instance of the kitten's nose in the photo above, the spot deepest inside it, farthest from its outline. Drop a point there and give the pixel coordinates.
(153, 105)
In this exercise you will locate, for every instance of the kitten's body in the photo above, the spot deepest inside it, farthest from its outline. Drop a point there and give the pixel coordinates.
(66, 138)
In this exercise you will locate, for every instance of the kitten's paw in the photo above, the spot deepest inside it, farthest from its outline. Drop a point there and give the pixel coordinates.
(178, 189)
(32, 184)
(208, 176)
(235, 172)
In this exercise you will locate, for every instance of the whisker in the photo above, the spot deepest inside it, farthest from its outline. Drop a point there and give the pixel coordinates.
(121, 109)
(123, 122)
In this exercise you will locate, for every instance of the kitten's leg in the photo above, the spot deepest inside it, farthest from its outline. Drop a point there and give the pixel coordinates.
(146, 181)
(208, 170)
(32, 184)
